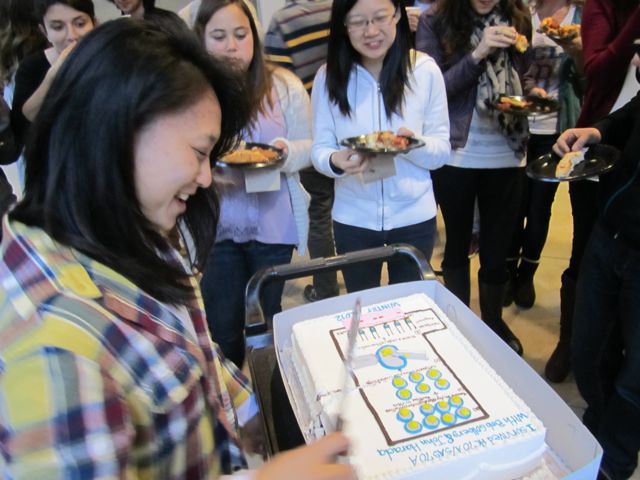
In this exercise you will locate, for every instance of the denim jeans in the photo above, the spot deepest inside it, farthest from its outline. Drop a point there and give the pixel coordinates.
(229, 268)
(367, 275)
(320, 242)
(607, 314)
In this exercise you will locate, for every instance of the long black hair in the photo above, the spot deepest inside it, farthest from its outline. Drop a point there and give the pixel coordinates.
(84, 6)
(342, 58)
(80, 165)
(148, 5)
(455, 20)
(19, 35)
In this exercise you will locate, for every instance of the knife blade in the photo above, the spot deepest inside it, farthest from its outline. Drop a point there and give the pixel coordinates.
(352, 334)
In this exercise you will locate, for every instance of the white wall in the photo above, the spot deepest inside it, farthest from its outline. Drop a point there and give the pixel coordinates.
(266, 9)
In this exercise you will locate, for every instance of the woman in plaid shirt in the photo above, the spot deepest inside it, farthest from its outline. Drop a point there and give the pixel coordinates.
(107, 368)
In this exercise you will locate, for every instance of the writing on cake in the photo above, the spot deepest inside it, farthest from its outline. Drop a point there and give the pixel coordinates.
(421, 399)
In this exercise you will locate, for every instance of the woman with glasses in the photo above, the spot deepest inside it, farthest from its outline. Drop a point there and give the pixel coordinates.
(473, 41)
(373, 82)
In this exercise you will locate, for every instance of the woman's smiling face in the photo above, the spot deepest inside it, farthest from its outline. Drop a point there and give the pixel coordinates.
(371, 25)
(171, 157)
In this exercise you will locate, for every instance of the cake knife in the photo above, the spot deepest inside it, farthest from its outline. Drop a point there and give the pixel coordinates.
(352, 334)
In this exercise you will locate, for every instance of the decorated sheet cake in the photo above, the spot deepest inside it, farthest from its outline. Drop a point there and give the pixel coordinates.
(422, 403)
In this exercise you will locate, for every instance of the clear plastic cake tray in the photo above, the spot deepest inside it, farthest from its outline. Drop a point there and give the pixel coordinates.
(565, 434)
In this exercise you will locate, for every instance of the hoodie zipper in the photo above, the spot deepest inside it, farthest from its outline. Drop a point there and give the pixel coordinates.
(380, 129)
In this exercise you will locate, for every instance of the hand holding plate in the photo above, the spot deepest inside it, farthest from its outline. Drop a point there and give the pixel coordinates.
(350, 161)
(405, 132)
(282, 146)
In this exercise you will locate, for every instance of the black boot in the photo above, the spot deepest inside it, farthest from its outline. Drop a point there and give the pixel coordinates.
(491, 297)
(509, 292)
(458, 282)
(559, 363)
(525, 292)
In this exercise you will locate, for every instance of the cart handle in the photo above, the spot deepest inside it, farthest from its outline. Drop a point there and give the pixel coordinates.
(254, 316)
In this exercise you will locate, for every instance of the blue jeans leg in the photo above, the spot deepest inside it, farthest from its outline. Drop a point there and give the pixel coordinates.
(421, 236)
(351, 239)
(261, 255)
(224, 280)
(223, 283)
(607, 311)
(361, 277)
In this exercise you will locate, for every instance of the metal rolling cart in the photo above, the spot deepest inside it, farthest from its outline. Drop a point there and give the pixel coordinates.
(278, 421)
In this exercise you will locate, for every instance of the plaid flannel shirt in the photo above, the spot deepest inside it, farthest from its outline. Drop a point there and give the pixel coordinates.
(99, 380)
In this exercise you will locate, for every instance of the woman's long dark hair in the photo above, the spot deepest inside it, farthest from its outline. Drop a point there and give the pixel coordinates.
(454, 19)
(259, 78)
(80, 165)
(342, 58)
(148, 5)
(84, 6)
(19, 35)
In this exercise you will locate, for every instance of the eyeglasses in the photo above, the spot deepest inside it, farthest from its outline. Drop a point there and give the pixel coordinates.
(357, 25)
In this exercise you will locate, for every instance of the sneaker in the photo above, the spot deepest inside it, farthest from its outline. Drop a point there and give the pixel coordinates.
(309, 294)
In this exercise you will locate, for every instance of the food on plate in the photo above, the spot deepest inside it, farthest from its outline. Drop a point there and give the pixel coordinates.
(386, 141)
(549, 26)
(529, 105)
(568, 162)
(515, 102)
(250, 155)
(521, 43)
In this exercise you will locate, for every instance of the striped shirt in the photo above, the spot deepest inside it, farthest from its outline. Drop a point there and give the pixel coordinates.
(99, 380)
(297, 37)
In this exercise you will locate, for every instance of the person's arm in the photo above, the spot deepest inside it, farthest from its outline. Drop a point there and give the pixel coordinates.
(460, 75)
(32, 106)
(327, 156)
(325, 142)
(275, 48)
(29, 75)
(616, 127)
(63, 416)
(9, 149)
(311, 462)
(239, 388)
(435, 124)
(576, 139)
(605, 49)
(296, 108)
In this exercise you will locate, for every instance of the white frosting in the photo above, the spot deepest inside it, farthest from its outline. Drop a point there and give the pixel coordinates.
(496, 437)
